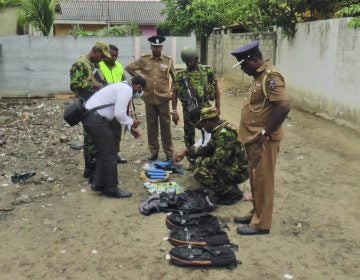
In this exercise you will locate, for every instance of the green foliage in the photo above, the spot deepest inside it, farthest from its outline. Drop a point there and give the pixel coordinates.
(77, 31)
(5, 3)
(352, 11)
(38, 13)
(112, 31)
(201, 16)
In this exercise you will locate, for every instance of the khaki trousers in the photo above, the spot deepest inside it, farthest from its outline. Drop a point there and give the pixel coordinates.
(154, 115)
(262, 170)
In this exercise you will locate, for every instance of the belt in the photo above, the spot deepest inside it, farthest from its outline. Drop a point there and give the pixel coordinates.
(96, 113)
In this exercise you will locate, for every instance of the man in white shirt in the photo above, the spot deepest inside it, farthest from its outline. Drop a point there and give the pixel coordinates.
(98, 124)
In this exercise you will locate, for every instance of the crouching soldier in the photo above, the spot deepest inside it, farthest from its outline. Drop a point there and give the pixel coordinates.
(222, 164)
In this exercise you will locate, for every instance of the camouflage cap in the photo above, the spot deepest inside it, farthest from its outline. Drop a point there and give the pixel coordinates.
(208, 113)
(104, 48)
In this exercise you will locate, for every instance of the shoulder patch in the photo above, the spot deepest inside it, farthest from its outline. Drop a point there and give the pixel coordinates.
(271, 84)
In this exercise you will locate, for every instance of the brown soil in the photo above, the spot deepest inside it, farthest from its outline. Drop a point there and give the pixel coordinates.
(53, 227)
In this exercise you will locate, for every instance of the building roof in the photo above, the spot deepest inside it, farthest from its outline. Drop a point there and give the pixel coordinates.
(115, 12)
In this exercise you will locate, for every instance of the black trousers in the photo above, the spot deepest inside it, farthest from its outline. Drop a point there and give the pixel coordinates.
(106, 140)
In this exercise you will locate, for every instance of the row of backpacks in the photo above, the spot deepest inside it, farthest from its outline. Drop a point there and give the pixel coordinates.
(199, 241)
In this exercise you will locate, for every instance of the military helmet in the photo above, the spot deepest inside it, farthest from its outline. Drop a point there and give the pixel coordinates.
(188, 54)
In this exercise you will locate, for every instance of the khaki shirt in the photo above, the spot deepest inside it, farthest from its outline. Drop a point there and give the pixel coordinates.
(157, 72)
(257, 111)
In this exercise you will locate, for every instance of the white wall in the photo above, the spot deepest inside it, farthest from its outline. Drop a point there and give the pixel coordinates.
(321, 66)
(39, 66)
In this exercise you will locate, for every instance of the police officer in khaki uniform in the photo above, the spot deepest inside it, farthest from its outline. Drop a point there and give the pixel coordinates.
(261, 131)
(157, 69)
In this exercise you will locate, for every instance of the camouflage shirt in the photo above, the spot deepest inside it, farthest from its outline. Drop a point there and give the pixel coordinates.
(224, 152)
(82, 76)
(201, 82)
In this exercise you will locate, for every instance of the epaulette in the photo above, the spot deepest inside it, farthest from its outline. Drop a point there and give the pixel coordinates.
(166, 56)
(144, 55)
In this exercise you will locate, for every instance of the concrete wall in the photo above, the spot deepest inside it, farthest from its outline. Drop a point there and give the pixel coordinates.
(39, 66)
(221, 45)
(321, 66)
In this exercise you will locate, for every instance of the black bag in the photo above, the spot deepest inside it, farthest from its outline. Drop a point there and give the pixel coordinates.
(74, 112)
(217, 256)
(193, 235)
(190, 201)
(201, 220)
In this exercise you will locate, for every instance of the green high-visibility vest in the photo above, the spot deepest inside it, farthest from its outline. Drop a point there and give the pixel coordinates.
(113, 75)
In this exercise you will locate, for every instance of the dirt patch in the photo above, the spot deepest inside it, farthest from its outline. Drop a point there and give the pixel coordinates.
(53, 227)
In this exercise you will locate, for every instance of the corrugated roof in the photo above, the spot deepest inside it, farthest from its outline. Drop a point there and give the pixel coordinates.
(141, 12)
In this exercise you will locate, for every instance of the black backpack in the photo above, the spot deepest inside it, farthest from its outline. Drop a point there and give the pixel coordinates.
(218, 256)
(197, 236)
(190, 201)
(201, 220)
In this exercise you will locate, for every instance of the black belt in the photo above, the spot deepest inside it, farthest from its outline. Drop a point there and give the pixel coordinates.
(96, 113)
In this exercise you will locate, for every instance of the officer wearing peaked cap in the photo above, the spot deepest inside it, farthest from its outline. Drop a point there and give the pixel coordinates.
(157, 69)
(156, 40)
(260, 130)
(220, 165)
(245, 52)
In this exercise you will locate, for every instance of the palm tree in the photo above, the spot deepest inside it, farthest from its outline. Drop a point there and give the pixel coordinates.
(38, 13)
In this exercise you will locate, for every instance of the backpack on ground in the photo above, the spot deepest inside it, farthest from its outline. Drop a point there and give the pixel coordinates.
(150, 205)
(197, 236)
(190, 201)
(201, 220)
(208, 256)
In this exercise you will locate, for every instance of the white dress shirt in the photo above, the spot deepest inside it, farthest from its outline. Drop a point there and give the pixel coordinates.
(118, 94)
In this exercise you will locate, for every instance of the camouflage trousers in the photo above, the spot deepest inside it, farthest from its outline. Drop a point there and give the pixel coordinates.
(189, 127)
(89, 154)
(189, 131)
(220, 180)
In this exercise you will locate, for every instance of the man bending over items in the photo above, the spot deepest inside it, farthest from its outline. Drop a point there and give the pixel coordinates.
(99, 125)
(113, 72)
(260, 130)
(220, 165)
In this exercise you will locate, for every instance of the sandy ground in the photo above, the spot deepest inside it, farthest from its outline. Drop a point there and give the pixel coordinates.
(53, 227)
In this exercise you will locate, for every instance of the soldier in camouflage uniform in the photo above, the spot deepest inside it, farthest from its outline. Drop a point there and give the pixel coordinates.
(196, 84)
(85, 79)
(222, 164)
